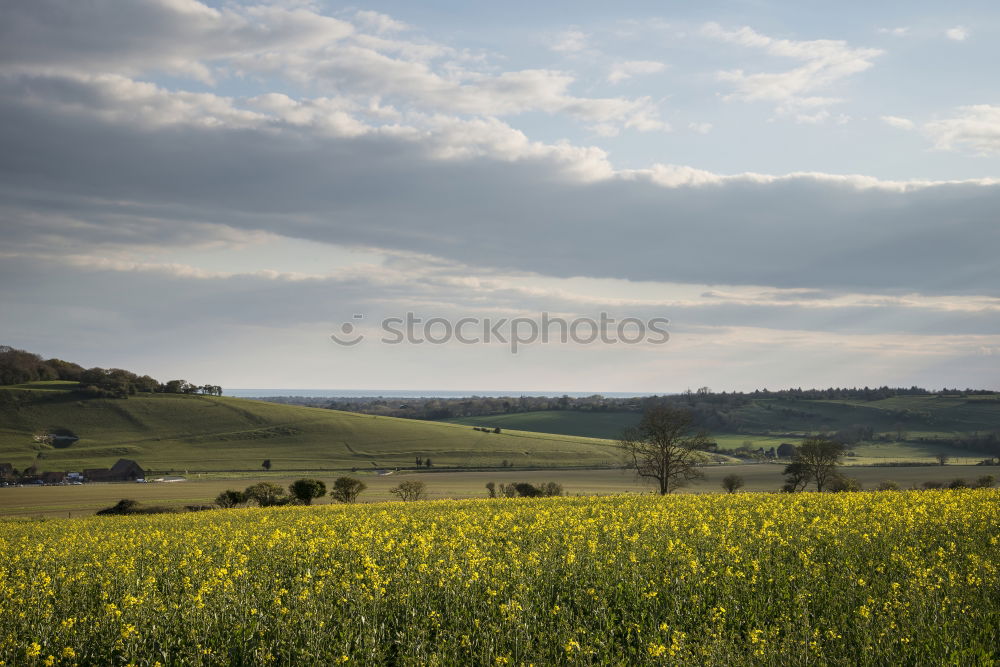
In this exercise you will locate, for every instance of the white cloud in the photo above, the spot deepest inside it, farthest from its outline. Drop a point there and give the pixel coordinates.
(700, 128)
(628, 69)
(795, 92)
(898, 122)
(339, 59)
(380, 23)
(958, 33)
(975, 128)
(895, 32)
(569, 41)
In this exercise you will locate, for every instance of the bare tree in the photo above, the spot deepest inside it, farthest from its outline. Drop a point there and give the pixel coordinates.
(942, 458)
(662, 448)
(410, 490)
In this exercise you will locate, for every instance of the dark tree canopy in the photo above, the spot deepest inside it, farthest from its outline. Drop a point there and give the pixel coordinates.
(305, 490)
(266, 494)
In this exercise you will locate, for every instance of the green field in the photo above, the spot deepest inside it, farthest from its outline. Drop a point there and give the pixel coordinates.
(173, 432)
(886, 578)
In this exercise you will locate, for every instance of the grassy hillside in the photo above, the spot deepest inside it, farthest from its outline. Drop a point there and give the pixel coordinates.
(768, 422)
(608, 425)
(177, 432)
(917, 415)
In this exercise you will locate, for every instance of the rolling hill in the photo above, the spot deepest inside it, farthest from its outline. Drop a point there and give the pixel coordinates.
(903, 428)
(177, 432)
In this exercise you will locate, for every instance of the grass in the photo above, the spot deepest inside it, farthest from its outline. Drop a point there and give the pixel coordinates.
(76, 501)
(745, 579)
(169, 432)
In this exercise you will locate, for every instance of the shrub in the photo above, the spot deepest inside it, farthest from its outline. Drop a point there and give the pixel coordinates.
(732, 482)
(888, 485)
(128, 506)
(551, 489)
(985, 482)
(507, 491)
(231, 498)
(958, 483)
(842, 483)
(932, 485)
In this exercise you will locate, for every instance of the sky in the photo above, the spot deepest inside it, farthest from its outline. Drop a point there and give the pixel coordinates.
(808, 192)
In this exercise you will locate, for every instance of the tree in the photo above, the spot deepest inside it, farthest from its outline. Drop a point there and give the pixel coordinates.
(266, 494)
(266, 465)
(230, 498)
(816, 461)
(942, 458)
(410, 490)
(347, 489)
(796, 477)
(305, 490)
(661, 447)
(427, 463)
(492, 488)
(732, 482)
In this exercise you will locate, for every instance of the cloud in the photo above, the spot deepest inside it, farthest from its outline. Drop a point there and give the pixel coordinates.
(628, 69)
(380, 23)
(895, 32)
(569, 41)
(700, 128)
(796, 92)
(92, 159)
(898, 122)
(975, 128)
(361, 60)
(181, 37)
(958, 33)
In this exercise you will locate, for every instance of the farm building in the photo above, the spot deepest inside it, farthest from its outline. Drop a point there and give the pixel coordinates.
(125, 470)
(787, 450)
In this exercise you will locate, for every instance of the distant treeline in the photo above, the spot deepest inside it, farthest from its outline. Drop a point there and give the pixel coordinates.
(711, 410)
(19, 366)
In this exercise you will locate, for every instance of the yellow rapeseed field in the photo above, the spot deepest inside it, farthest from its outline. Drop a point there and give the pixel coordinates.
(783, 579)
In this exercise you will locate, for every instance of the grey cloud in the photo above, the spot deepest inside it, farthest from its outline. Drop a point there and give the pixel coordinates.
(100, 301)
(160, 34)
(145, 183)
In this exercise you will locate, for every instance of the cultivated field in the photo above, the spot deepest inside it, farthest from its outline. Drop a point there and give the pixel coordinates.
(76, 501)
(783, 579)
